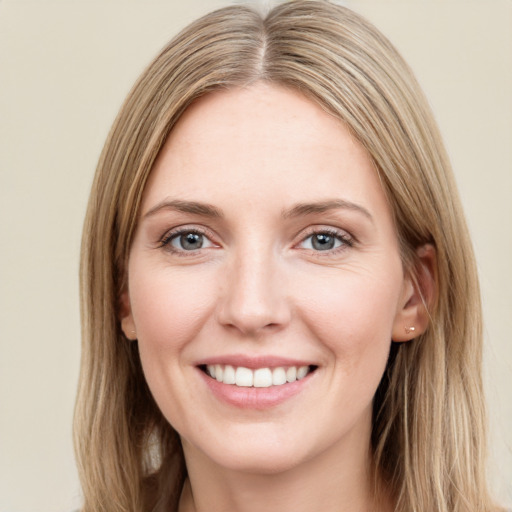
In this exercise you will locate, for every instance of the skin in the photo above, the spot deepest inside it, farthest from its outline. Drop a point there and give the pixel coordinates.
(258, 286)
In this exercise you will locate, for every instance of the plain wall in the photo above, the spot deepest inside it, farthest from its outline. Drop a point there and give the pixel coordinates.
(65, 67)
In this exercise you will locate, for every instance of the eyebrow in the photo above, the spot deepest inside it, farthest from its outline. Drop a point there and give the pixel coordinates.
(194, 207)
(303, 209)
(300, 209)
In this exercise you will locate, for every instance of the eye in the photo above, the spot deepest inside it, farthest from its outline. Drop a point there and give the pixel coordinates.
(187, 240)
(325, 241)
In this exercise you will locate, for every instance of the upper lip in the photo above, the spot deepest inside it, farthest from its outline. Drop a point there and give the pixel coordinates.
(253, 362)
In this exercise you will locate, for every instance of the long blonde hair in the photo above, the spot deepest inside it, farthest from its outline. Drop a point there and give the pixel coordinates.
(428, 436)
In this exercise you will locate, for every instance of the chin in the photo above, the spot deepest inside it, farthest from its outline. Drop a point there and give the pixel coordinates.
(262, 462)
(262, 456)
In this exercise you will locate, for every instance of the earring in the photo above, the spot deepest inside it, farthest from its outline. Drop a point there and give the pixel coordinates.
(408, 330)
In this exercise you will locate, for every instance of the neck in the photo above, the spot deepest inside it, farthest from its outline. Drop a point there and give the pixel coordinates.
(331, 482)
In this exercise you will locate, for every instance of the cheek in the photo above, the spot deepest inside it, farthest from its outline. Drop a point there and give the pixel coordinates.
(353, 312)
(169, 307)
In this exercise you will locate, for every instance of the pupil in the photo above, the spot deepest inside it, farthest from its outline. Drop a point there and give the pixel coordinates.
(191, 241)
(323, 242)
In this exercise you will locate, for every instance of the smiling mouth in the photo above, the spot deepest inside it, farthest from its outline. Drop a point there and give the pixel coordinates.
(258, 377)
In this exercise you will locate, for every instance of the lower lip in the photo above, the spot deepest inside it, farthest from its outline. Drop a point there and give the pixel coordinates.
(255, 398)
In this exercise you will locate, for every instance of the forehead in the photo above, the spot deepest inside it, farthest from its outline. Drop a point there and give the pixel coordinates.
(263, 140)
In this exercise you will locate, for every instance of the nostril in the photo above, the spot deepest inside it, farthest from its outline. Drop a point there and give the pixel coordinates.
(253, 302)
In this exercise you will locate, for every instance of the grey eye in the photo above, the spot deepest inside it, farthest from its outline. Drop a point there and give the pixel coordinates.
(321, 242)
(188, 241)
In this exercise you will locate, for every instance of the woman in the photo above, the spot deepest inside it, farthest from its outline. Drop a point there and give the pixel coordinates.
(280, 302)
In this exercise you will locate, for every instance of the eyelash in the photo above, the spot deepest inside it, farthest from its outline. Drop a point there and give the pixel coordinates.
(345, 239)
(165, 241)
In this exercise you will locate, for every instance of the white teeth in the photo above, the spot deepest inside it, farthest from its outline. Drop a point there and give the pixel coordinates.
(219, 372)
(262, 378)
(291, 374)
(258, 378)
(243, 377)
(301, 372)
(229, 375)
(278, 376)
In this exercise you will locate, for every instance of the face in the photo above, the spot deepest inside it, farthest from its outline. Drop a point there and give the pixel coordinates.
(264, 282)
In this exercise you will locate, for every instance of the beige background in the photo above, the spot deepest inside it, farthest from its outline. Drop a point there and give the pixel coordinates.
(65, 67)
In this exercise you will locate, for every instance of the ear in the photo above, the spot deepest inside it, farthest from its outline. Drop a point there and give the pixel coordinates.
(126, 317)
(418, 296)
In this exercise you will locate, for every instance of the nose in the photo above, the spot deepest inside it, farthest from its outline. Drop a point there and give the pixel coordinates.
(253, 298)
